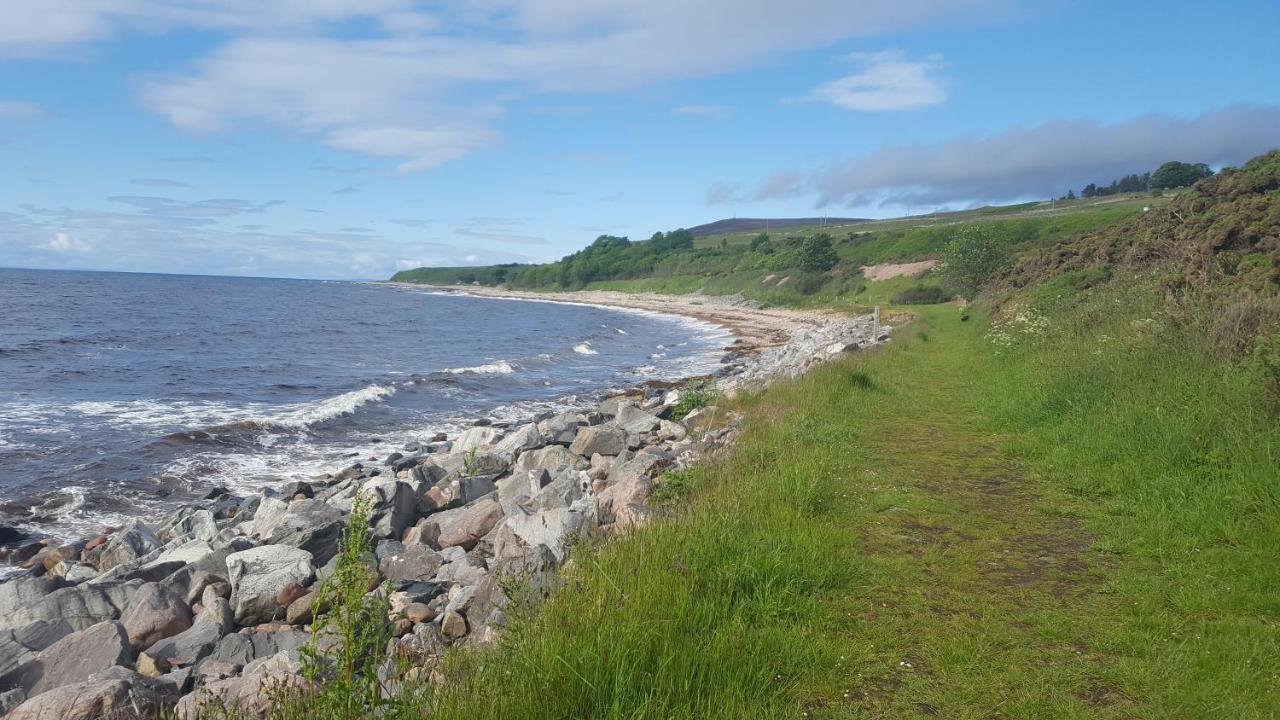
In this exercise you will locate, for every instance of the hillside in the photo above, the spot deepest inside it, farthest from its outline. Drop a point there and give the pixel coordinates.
(738, 225)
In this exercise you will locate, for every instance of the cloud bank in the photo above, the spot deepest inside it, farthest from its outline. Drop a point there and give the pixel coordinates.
(1040, 161)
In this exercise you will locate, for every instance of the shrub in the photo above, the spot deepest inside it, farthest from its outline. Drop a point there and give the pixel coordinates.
(972, 258)
(817, 254)
(922, 295)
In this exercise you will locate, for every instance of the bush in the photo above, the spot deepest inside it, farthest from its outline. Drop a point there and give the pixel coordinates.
(972, 258)
(697, 394)
(817, 254)
(922, 295)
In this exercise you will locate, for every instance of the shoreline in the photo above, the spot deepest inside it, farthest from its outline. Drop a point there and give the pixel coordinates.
(211, 600)
(755, 328)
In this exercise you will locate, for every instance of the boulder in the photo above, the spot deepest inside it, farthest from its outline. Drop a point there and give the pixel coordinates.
(561, 429)
(116, 693)
(131, 542)
(72, 659)
(155, 613)
(412, 562)
(632, 419)
(702, 418)
(552, 457)
(312, 525)
(523, 438)
(72, 608)
(476, 437)
(517, 489)
(187, 553)
(565, 488)
(554, 529)
(190, 646)
(394, 506)
(245, 694)
(609, 406)
(193, 523)
(470, 524)
(256, 576)
(603, 439)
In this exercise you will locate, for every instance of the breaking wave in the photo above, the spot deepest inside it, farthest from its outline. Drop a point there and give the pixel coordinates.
(501, 367)
(584, 348)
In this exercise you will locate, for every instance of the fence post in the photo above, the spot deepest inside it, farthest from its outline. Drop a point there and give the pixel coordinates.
(875, 324)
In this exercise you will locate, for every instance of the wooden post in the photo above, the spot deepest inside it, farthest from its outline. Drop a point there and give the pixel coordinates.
(875, 324)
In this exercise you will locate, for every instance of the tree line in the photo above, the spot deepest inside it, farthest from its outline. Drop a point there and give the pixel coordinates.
(1172, 174)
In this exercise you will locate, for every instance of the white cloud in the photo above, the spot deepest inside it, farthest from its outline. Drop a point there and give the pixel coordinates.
(421, 83)
(886, 81)
(20, 110)
(1022, 162)
(64, 243)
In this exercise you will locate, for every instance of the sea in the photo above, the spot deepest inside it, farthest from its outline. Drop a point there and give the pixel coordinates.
(124, 395)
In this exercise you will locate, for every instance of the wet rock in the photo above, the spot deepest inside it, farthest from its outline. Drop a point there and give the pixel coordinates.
(256, 576)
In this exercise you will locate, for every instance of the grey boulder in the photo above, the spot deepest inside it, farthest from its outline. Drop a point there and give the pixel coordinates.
(256, 575)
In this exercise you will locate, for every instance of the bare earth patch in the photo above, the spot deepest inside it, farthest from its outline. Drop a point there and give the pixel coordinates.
(885, 271)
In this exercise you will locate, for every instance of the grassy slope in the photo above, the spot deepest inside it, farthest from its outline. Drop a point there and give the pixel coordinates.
(1067, 528)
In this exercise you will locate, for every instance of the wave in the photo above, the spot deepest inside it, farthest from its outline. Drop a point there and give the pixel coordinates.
(309, 414)
(502, 367)
(584, 348)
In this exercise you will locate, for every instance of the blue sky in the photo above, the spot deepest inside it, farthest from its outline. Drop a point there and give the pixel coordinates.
(352, 138)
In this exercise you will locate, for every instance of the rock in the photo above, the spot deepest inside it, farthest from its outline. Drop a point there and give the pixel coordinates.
(256, 576)
(185, 554)
(113, 694)
(419, 613)
(552, 457)
(412, 562)
(155, 612)
(72, 659)
(553, 528)
(566, 488)
(394, 506)
(269, 515)
(297, 487)
(475, 437)
(453, 626)
(245, 693)
(195, 523)
(11, 699)
(289, 592)
(634, 420)
(300, 610)
(609, 406)
(312, 525)
(129, 543)
(603, 439)
(470, 524)
(518, 488)
(671, 431)
(561, 429)
(701, 418)
(188, 647)
(71, 608)
(523, 438)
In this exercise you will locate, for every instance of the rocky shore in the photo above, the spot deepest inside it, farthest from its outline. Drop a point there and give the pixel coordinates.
(217, 597)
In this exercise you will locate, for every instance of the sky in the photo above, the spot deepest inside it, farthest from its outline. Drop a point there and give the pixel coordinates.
(348, 139)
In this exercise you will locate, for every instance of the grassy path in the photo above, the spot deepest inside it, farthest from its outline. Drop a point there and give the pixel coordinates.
(923, 531)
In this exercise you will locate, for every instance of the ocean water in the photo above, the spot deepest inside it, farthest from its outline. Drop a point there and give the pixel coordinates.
(126, 394)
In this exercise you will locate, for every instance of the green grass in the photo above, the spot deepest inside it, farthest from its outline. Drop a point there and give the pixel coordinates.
(1068, 527)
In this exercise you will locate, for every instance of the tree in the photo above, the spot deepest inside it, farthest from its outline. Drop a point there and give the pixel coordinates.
(971, 258)
(1174, 174)
(1071, 194)
(760, 244)
(817, 255)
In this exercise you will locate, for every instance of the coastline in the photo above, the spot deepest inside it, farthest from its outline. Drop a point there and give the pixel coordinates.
(755, 328)
(214, 598)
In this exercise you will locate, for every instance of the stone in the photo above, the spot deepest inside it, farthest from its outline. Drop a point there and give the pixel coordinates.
(71, 608)
(566, 488)
(474, 438)
(185, 554)
(193, 523)
(412, 562)
(289, 592)
(554, 528)
(394, 506)
(702, 418)
(470, 524)
(256, 576)
(244, 694)
(72, 659)
(116, 693)
(561, 429)
(130, 542)
(603, 439)
(309, 524)
(609, 406)
(419, 613)
(155, 612)
(190, 646)
(453, 626)
(631, 419)
(523, 438)
(518, 488)
(671, 431)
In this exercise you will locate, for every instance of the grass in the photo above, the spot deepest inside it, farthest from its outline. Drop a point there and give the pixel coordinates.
(1066, 526)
